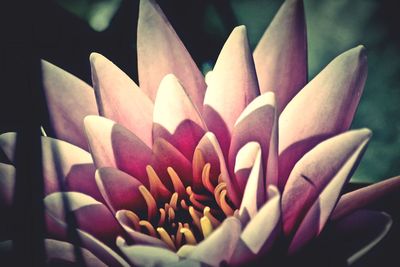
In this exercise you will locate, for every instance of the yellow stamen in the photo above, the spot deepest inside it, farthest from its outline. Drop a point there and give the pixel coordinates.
(149, 227)
(195, 216)
(195, 203)
(157, 188)
(171, 215)
(198, 165)
(217, 192)
(214, 221)
(205, 178)
(166, 238)
(199, 197)
(184, 205)
(150, 202)
(224, 205)
(134, 219)
(176, 182)
(206, 226)
(189, 237)
(162, 217)
(174, 201)
(178, 239)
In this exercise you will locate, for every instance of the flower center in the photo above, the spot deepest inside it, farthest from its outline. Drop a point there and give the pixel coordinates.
(185, 216)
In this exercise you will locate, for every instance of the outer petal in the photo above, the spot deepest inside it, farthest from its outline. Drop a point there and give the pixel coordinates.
(259, 234)
(120, 190)
(220, 245)
(120, 99)
(84, 209)
(69, 100)
(65, 166)
(315, 183)
(112, 145)
(364, 196)
(175, 118)
(160, 52)
(258, 122)
(232, 86)
(254, 193)
(281, 55)
(147, 256)
(323, 108)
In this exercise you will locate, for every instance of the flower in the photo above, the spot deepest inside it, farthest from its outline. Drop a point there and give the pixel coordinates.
(186, 170)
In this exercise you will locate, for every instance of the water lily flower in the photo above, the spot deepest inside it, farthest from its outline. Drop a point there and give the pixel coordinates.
(188, 171)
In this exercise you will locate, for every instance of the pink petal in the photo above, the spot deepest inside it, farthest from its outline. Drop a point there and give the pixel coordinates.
(323, 108)
(362, 197)
(254, 192)
(220, 245)
(257, 123)
(232, 86)
(260, 233)
(166, 155)
(160, 52)
(148, 256)
(175, 118)
(137, 237)
(120, 99)
(120, 190)
(59, 251)
(69, 100)
(85, 210)
(65, 166)
(315, 183)
(7, 185)
(281, 55)
(112, 145)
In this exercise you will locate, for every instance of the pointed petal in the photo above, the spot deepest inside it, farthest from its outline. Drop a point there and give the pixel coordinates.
(259, 234)
(254, 193)
(357, 233)
(148, 256)
(138, 238)
(69, 100)
(323, 108)
(175, 118)
(362, 197)
(315, 183)
(166, 155)
(60, 251)
(120, 99)
(257, 123)
(84, 209)
(65, 166)
(112, 145)
(160, 52)
(220, 245)
(7, 185)
(120, 190)
(232, 87)
(281, 55)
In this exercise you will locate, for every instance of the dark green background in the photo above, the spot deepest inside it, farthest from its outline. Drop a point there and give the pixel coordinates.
(333, 27)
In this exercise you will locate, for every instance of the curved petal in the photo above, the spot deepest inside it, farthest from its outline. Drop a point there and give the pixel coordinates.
(220, 245)
(112, 145)
(323, 108)
(175, 118)
(83, 209)
(315, 183)
(254, 192)
(258, 122)
(148, 256)
(160, 52)
(69, 100)
(364, 196)
(232, 86)
(120, 190)
(65, 166)
(138, 238)
(120, 99)
(260, 233)
(281, 54)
